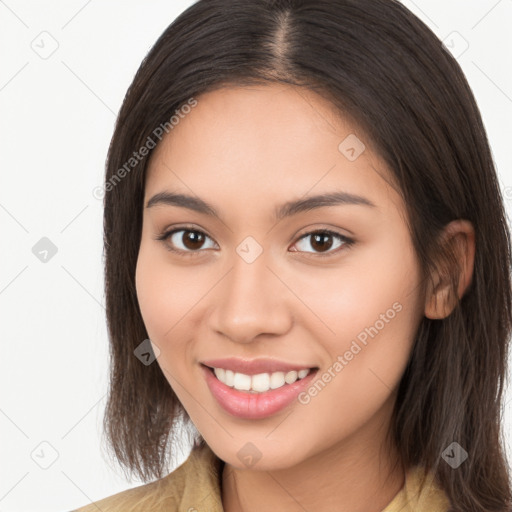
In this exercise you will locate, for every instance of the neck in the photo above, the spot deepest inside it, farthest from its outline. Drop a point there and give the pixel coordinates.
(355, 475)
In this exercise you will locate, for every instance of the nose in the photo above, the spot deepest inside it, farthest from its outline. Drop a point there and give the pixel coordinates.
(251, 301)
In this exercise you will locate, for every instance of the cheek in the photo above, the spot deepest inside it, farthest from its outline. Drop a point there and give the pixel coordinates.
(371, 308)
(371, 300)
(168, 296)
(164, 298)
(159, 302)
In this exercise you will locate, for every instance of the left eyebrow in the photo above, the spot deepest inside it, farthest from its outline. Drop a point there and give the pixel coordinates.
(285, 210)
(319, 201)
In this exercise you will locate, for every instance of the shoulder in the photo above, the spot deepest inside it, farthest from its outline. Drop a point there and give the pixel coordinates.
(194, 485)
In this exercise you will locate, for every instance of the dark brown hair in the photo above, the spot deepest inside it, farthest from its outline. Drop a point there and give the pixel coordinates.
(383, 68)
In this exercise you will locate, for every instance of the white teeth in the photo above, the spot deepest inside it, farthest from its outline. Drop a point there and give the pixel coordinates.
(230, 378)
(276, 380)
(303, 373)
(220, 373)
(258, 383)
(242, 382)
(290, 377)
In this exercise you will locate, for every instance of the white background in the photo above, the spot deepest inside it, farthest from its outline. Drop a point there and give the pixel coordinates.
(57, 117)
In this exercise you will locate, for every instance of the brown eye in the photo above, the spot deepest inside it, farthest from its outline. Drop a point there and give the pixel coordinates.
(184, 240)
(322, 241)
(192, 240)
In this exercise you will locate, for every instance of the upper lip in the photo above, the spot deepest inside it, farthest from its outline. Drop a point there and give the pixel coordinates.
(254, 366)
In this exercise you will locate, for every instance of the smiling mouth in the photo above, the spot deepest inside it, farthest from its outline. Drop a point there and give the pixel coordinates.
(261, 382)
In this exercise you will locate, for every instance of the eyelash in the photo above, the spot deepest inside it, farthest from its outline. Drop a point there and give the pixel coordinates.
(347, 242)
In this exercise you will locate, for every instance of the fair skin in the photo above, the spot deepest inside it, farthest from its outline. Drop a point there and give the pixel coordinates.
(246, 151)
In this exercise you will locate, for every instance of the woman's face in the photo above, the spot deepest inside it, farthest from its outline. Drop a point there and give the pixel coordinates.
(255, 280)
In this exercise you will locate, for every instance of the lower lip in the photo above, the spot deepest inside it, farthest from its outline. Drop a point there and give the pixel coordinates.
(254, 406)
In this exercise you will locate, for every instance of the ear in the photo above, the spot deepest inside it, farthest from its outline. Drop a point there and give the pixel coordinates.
(457, 236)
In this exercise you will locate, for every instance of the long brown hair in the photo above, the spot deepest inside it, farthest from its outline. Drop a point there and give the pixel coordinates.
(385, 69)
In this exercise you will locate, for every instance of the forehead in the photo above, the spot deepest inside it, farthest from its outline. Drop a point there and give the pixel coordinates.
(273, 141)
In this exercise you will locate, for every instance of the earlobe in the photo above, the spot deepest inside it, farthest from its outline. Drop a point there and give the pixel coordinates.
(458, 237)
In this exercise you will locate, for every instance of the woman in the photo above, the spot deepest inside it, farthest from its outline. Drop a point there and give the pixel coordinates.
(308, 261)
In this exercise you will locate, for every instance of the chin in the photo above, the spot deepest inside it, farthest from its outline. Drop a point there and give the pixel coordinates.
(259, 455)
